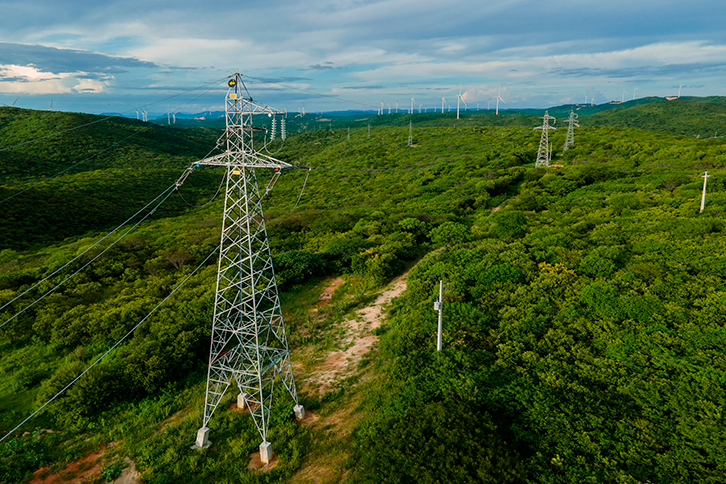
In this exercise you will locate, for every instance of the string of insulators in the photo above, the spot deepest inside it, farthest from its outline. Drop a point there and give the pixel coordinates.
(282, 129)
(274, 129)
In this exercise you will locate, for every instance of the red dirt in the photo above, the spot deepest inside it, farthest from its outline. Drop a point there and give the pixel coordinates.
(79, 471)
(256, 463)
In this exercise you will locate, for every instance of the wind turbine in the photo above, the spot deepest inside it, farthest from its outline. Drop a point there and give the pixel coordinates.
(623, 96)
(443, 100)
(419, 108)
(396, 107)
(458, 99)
(499, 98)
(381, 106)
(634, 92)
(411, 111)
(16, 100)
(679, 92)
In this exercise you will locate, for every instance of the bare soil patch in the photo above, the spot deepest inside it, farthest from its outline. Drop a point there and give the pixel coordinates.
(129, 475)
(257, 465)
(358, 340)
(84, 469)
(328, 467)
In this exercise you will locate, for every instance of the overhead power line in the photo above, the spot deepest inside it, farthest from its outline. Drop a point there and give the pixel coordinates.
(74, 165)
(267, 81)
(98, 360)
(167, 194)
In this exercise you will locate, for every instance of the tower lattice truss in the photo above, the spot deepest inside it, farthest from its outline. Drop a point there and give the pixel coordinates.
(570, 138)
(249, 345)
(544, 154)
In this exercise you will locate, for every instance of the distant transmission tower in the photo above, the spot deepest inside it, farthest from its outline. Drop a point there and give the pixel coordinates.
(410, 133)
(249, 345)
(369, 131)
(543, 154)
(570, 138)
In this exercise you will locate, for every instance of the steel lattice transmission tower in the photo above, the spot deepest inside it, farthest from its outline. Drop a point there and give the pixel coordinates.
(249, 345)
(543, 154)
(570, 138)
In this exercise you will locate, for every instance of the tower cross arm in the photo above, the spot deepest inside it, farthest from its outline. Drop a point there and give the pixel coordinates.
(247, 160)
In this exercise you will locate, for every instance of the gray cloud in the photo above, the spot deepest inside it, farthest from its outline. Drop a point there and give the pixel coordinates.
(51, 59)
(640, 71)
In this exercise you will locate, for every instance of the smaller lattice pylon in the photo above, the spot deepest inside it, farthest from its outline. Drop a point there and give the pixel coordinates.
(410, 133)
(570, 138)
(543, 154)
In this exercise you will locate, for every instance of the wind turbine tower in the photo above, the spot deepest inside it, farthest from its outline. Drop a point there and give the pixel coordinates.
(570, 138)
(459, 98)
(411, 111)
(443, 100)
(249, 345)
(499, 98)
(679, 90)
(543, 154)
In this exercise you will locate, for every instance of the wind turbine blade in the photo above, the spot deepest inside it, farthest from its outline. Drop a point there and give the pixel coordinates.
(16, 100)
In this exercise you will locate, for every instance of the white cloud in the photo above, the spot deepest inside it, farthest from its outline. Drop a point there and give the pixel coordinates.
(16, 79)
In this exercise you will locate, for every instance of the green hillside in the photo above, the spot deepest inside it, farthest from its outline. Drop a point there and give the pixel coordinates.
(698, 117)
(583, 340)
(100, 173)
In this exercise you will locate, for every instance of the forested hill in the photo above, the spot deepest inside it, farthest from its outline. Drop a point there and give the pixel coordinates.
(698, 117)
(86, 172)
(583, 330)
(91, 140)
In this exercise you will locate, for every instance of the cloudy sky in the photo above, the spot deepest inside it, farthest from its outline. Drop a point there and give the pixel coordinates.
(120, 55)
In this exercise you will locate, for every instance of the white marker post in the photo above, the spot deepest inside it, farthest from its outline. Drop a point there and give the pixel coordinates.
(438, 306)
(703, 197)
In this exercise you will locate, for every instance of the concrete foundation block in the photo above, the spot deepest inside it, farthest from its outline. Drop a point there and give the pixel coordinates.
(266, 452)
(299, 412)
(241, 403)
(202, 438)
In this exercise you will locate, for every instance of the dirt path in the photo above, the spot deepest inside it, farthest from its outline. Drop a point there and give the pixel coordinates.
(357, 340)
(496, 209)
(331, 431)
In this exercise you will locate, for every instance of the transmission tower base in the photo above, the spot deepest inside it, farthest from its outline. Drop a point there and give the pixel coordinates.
(299, 412)
(202, 441)
(266, 452)
(241, 401)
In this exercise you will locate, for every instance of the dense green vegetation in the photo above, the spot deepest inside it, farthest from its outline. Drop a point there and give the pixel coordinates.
(583, 340)
(698, 117)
